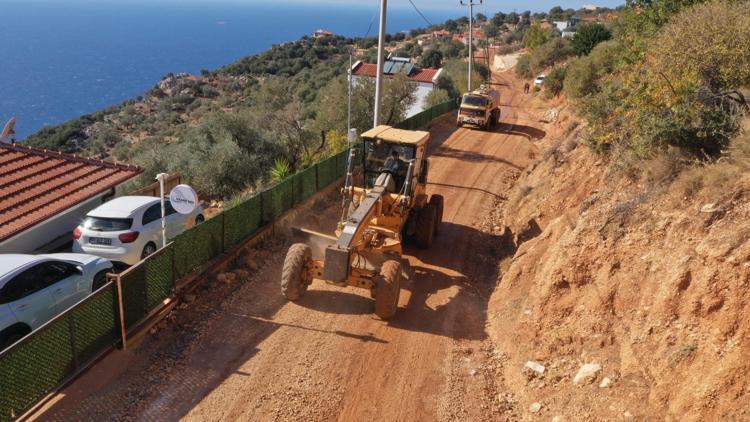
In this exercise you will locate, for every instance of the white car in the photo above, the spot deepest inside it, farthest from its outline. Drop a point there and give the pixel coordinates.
(128, 229)
(539, 80)
(36, 288)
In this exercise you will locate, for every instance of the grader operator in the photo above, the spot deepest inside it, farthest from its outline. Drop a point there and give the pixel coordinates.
(391, 206)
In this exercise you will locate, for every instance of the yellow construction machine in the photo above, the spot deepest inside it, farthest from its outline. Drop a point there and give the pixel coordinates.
(376, 219)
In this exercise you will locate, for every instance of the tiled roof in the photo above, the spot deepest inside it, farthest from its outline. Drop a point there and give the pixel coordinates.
(38, 184)
(417, 75)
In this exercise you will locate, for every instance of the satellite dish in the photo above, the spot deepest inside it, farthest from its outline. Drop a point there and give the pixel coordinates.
(8, 134)
(183, 198)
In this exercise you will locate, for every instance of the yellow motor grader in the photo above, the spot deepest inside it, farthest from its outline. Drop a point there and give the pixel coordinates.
(376, 219)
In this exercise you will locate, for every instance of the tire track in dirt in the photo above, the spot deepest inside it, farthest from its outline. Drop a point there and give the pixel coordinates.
(327, 357)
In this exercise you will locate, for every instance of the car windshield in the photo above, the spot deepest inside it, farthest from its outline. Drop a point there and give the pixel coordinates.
(474, 101)
(102, 224)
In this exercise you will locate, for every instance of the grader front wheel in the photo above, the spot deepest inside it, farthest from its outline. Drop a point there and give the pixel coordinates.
(387, 289)
(294, 276)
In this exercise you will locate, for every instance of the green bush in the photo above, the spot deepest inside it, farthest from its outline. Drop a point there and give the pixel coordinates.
(551, 53)
(588, 36)
(523, 67)
(584, 75)
(553, 83)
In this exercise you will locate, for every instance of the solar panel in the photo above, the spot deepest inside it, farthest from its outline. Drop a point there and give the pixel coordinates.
(387, 67)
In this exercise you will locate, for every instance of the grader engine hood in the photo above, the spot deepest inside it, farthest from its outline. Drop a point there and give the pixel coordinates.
(337, 256)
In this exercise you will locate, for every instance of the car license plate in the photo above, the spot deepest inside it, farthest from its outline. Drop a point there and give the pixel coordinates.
(100, 241)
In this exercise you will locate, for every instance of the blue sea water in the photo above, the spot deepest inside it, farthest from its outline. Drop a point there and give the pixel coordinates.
(60, 60)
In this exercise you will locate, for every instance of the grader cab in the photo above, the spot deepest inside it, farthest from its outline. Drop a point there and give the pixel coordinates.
(391, 207)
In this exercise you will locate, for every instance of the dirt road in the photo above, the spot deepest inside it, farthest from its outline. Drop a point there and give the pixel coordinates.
(327, 357)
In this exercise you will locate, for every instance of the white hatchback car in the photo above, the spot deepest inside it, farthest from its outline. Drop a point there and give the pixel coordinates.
(539, 80)
(36, 288)
(128, 229)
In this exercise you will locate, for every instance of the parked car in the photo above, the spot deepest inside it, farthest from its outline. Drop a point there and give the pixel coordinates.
(539, 80)
(128, 229)
(36, 288)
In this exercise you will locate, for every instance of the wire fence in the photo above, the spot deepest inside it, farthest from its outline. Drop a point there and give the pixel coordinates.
(58, 351)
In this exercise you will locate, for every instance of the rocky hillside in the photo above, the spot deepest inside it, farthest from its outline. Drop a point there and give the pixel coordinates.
(625, 296)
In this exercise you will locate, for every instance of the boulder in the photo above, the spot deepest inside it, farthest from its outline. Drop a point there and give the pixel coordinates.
(587, 373)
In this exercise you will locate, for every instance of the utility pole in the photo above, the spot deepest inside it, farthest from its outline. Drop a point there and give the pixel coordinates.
(381, 58)
(349, 105)
(471, 5)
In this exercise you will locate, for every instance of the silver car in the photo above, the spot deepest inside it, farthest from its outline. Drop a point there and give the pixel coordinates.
(36, 288)
(128, 229)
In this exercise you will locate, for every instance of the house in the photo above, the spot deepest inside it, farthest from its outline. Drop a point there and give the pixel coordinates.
(561, 25)
(322, 33)
(425, 79)
(464, 37)
(45, 194)
(441, 34)
(568, 25)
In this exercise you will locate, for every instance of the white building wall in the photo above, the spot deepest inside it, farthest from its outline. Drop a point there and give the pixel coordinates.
(59, 226)
(423, 90)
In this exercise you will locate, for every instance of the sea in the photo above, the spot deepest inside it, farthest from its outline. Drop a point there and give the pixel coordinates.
(63, 59)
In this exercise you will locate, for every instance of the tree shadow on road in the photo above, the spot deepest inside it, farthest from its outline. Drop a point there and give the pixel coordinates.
(529, 132)
(472, 156)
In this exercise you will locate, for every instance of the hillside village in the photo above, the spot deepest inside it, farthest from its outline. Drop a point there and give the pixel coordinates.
(249, 99)
(580, 255)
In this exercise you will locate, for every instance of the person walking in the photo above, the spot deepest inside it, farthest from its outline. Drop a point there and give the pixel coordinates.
(526, 88)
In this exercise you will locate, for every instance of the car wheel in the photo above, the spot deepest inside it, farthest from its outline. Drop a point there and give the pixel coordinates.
(199, 219)
(11, 335)
(100, 279)
(148, 249)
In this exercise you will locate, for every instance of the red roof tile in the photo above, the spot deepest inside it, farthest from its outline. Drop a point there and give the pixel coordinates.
(38, 184)
(417, 75)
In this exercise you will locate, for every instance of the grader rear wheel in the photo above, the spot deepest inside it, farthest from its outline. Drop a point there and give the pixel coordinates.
(294, 276)
(436, 201)
(387, 289)
(425, 226)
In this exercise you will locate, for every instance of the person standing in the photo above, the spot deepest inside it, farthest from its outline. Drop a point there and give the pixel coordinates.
(526, 88)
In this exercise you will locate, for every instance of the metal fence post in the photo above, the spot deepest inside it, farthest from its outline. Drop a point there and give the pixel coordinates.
(72, 331)
(121, 308)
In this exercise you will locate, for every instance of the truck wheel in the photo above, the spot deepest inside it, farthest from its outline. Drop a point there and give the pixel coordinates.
(387, 289)
(436, 201)
(425, 226)
(294, 276)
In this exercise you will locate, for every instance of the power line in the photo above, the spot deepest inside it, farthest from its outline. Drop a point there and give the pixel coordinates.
(369, 27)
(420, 13)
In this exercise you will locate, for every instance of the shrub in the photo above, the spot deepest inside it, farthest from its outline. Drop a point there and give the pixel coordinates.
(553, 83)
(523, 67)
(585, 74)
(431, 59)
(588, 36)
(555, 51)
(435, 97)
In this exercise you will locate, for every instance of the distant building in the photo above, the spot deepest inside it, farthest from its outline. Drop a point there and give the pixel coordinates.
(44, 195)
(463, 38)
(591, 7)
(561, 25)
(425, 79)
(322, 33)
(568, 25)
(441, 34)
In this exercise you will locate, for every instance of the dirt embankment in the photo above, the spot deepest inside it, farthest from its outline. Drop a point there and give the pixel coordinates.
(237, 350)
(649, 281)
